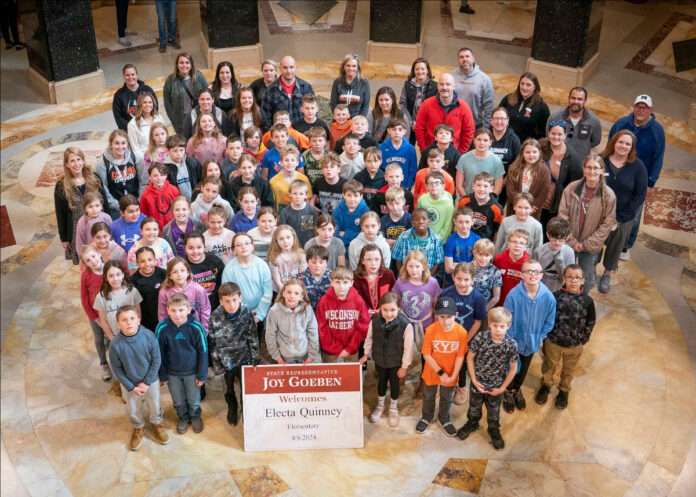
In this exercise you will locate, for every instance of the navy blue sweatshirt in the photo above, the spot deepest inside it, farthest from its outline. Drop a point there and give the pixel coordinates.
(630, 184)
(184, 349)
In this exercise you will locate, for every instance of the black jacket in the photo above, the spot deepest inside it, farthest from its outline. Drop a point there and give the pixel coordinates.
(124, 102)
(388, 340)
(194, 171)
(221, 119)
(408, 97)
(64, 215)
(571, 170)
(525, 124)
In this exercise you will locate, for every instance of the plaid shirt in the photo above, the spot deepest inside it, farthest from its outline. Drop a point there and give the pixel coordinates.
(276, 99)
(408, 242)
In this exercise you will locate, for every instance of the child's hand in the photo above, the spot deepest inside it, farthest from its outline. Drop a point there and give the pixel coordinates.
(256, 320)
(479, 387)
(445, 378)
(308, 360)
(144, 387)
(163, 383)
(495, 391)
(344, 353)
(199, 383)
(280, 360)
(363, 359)
(578, 247)
(401, 373)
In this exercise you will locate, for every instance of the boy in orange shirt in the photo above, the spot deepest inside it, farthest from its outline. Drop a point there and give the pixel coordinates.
(340, 126)
(436, 162)
(444, 348)
(283, 117)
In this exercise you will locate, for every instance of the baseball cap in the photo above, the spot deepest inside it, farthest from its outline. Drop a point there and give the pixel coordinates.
(446, 305)
(645, 99)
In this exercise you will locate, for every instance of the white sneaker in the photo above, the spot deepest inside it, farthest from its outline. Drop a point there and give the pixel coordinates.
(376, 414)
(460, 395)
(393, 417)
(625, 255)
(124, 42)
(106, 372)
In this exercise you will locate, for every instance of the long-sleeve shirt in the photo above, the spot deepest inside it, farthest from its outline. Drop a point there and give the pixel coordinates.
(136, 358)
(650, 144)
(197, 297)
(254, 282)
(184, 349)
(292, 333)
(532, 318)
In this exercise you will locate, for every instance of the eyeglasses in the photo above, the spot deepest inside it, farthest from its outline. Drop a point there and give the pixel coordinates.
(533, 272)
(557, 123)
(517, 243)
(574, 278)
(558, 238)
(243, 244)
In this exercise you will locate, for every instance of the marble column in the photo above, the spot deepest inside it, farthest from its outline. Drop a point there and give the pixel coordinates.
(62, 49)
(395, 31)
(230, 31)
(565, 46)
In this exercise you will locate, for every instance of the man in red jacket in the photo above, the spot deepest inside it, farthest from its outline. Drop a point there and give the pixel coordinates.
(342, 317)
(446, 108)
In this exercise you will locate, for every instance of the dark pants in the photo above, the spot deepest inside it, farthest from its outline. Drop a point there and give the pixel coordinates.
(122, 17)
(230, 397)
(9, 22)
(476, 401)
(384, 376)
(429, 394)
(588, 261)
(462, 374)
(525, 361)
(166, 20)
(616, 241)
(634, 229)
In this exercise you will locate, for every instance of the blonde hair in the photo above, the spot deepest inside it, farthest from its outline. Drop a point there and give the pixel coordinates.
(139, 107)
(464, 267)
(342, 273)
(393, 166)
(92, 183)
(418, 256)
(519, 233)
(369, 215)
(274, 249)
(499, 315)
(484, 247)
(304, 301)
(151, 147)
(359, 117)
(395, 194)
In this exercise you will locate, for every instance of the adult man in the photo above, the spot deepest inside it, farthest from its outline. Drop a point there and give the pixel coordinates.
(445, 107)
(650, 146)
(474, 87)
(126, 97)
(286, 92)
(583, 129)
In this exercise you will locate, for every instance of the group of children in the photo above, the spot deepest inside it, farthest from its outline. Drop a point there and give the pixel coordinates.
(323, 258)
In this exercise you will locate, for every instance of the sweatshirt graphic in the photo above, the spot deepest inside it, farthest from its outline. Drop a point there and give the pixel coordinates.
(342, 323)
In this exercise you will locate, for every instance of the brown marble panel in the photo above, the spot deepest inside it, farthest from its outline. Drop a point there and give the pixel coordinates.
(6, 235)
(462, 474)
(259, 480)
(671, 209)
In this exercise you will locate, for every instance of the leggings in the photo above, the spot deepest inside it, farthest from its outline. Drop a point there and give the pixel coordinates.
(384, 376)
(230, 397)
(525, 361)
(101, 342)
(122, 17)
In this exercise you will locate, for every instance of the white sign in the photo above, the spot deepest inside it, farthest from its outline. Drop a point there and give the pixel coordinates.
(314, 406)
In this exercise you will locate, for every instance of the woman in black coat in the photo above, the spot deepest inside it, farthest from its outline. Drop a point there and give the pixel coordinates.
(417, 88)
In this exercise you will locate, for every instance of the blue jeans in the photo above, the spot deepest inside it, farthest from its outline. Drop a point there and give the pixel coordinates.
(166, 20)
(634, 230)
(588, 261)
(186, 397)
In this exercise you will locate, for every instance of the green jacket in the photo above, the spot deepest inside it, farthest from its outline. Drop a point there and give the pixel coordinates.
(174, 95)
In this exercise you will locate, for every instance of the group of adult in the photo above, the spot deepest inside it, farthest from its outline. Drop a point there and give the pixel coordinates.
(521, 130)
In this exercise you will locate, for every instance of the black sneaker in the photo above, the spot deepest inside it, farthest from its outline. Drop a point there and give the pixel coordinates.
(449, 429)
(466, 430)
(542, 395)
(422, 426)
(496, 438)
(182, 426)
(467, 10)
(561, 399)
(508, 402)
(232, 416)
(520, 403)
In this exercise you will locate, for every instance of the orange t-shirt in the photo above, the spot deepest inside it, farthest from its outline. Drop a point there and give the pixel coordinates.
(444, 347)
(302, 140)
(419, 185)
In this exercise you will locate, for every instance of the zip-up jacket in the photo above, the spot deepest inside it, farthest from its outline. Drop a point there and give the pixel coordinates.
(575, 319)
(232, 339)
(458, 115)
(184, 349)
(532, 319)
(125, 101)
(128, 175)
(600, 215)
(650, 144)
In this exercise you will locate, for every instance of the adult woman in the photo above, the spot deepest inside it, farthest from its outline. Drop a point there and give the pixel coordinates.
(628, 178)
(125, 98)
(350, 88)
(139, 127)
(269, 71)
(506, 144)
(225, 87)
(385, 108)
(417, 88)
(206, 105)
(78, 179)
(121, 171)
(528, 174)
(181, 89)
(246, 112)
(526, 107)
(589, 205)
(564, 166)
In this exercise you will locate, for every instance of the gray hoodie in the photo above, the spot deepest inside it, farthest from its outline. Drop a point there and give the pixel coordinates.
(292, 333)
(476, 89)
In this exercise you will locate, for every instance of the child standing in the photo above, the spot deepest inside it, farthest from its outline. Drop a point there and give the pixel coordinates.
(300, 215)
(369, 234)
(421, 238)
(325, 227)
(349, 211)
(328, 189)
(233, 343)
(207, 141)
(521, 220)
(108, 249)
(156, 200)
(435, 162)
(359, 128)
(271, 164)
(488, 213)
(262, 235)
(285, 257)
(280, 184)
(340, 126)
(291, 328)
(149, 229)
(460, 244)
(218, 239)
(135, 356)
(390, 341)
(480, 159)
(249, 176)
(157, 147)
(575, 320)
(555, 255)
(443, 142)
(126, 229)
(253, 145)
(372, 177)
(184, 367)
(529, 174)
(91, 281)
(315, 153)
(396, 220)
(492, 363)
(444, 348)
(343, 319)
(206, 268)
(352, 161)
(116, 291)
(439, 205)
(245, 219)
(92, 205)
(393, 175)
(372, 278)
(487, 279)
(510, 262)
(147, 280)
(533, 309)
(183, 223)
(179, 279)
(183, 172)
(317, 277)
(229, 168)
(400, 151)
(310, 109)
(471, 311)
(210, 195)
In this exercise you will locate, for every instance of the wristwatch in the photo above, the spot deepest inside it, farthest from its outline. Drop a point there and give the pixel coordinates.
(441, 372)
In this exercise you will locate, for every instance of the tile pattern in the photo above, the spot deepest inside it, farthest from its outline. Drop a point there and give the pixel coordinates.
(672, 209)
(7, 238)
(274, 28)
(259, 480)
(639, 61)
(462, 474)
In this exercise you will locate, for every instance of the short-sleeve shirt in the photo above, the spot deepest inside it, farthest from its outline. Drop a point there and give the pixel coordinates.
(109, 306)
(329, 195)
(461, 249)
(445, 347)
(491, 360)
(393, 229)
(163, 254)
(486, 279)
(417, 300)
(220, 245)
(335, 248)
(408, 241)
(470, 307)
(470, 165)
(312, 166)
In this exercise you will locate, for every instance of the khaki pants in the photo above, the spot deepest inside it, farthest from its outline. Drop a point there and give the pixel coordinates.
(334, 358)
(553, 354)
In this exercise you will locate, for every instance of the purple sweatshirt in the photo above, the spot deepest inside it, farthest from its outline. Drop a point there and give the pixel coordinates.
(196, 295)
(83, 230)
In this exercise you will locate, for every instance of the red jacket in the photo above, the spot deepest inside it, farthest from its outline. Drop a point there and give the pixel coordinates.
(90, 284)
(460, 118)
(342, 323)
(510, 270)
(158, 203)
(385, 282)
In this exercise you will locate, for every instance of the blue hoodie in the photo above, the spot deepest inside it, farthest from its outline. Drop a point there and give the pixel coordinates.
(184, 349)
(532, 319)
(405, 156)
(135, 358)
(349, 222)
(650, 145)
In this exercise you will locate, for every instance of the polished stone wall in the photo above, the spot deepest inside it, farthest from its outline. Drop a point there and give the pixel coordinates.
(229, 23)
(395, 21)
